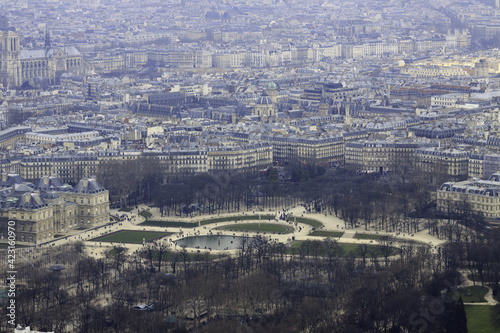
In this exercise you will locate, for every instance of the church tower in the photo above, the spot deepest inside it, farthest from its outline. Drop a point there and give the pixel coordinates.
(324, 107)
(10, 63)
(47, 40)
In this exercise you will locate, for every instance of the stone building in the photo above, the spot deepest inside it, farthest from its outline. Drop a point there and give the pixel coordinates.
(10, 58)
(481, 68)
(381, 155)
(450, 161)
(42, 210)
(37, 66)
(481, 196)
(264, 107)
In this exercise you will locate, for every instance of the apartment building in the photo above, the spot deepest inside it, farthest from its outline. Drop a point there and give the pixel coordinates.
(448, 100)
(454, 162)
(10, 135)
(436, 71)
(183, 161)
(380, 155)
(483, 165)
(315, 149)
(482, 196)
(248, 158)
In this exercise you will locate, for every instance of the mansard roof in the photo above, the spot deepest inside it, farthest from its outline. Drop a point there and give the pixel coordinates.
(31, 201)
(88, 185)
(23, 200)
(9, 179)
(47, 182)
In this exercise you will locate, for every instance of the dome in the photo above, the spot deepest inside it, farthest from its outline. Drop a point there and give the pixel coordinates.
(272, 85)
(264, 99)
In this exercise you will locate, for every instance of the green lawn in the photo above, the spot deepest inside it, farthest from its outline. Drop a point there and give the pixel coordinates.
(305, 220)
(126, 209)
(263, 218)
(175, 224)
(472, 294)
(324, 233)
(367, 236)
(239, 218)
(482, 318)
(262, 227)
(145, 214)
(347, 249)
(171, 224)
(131, 236)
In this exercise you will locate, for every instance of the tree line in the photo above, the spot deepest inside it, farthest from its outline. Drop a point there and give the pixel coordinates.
(264, 286)
(268, 286)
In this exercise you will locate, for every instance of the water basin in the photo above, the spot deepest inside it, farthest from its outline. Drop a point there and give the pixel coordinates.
(213, 242)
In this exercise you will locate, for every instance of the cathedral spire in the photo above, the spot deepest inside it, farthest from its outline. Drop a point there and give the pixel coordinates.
(47, 39)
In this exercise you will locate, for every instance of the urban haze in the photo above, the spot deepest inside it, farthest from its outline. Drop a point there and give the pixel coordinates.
(249, 166)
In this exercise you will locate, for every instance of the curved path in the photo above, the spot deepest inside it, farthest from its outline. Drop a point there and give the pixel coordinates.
(301, 231)
(488, 296)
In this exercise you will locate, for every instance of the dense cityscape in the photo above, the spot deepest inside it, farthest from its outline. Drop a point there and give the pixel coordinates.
(250, 166)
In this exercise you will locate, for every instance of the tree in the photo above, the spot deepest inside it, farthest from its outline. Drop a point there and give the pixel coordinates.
(149, 253)
(120, 178)
(461, 317)
(160, 250)
(386, 247)
(362, 250)
(272, 174)
(119, 258)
